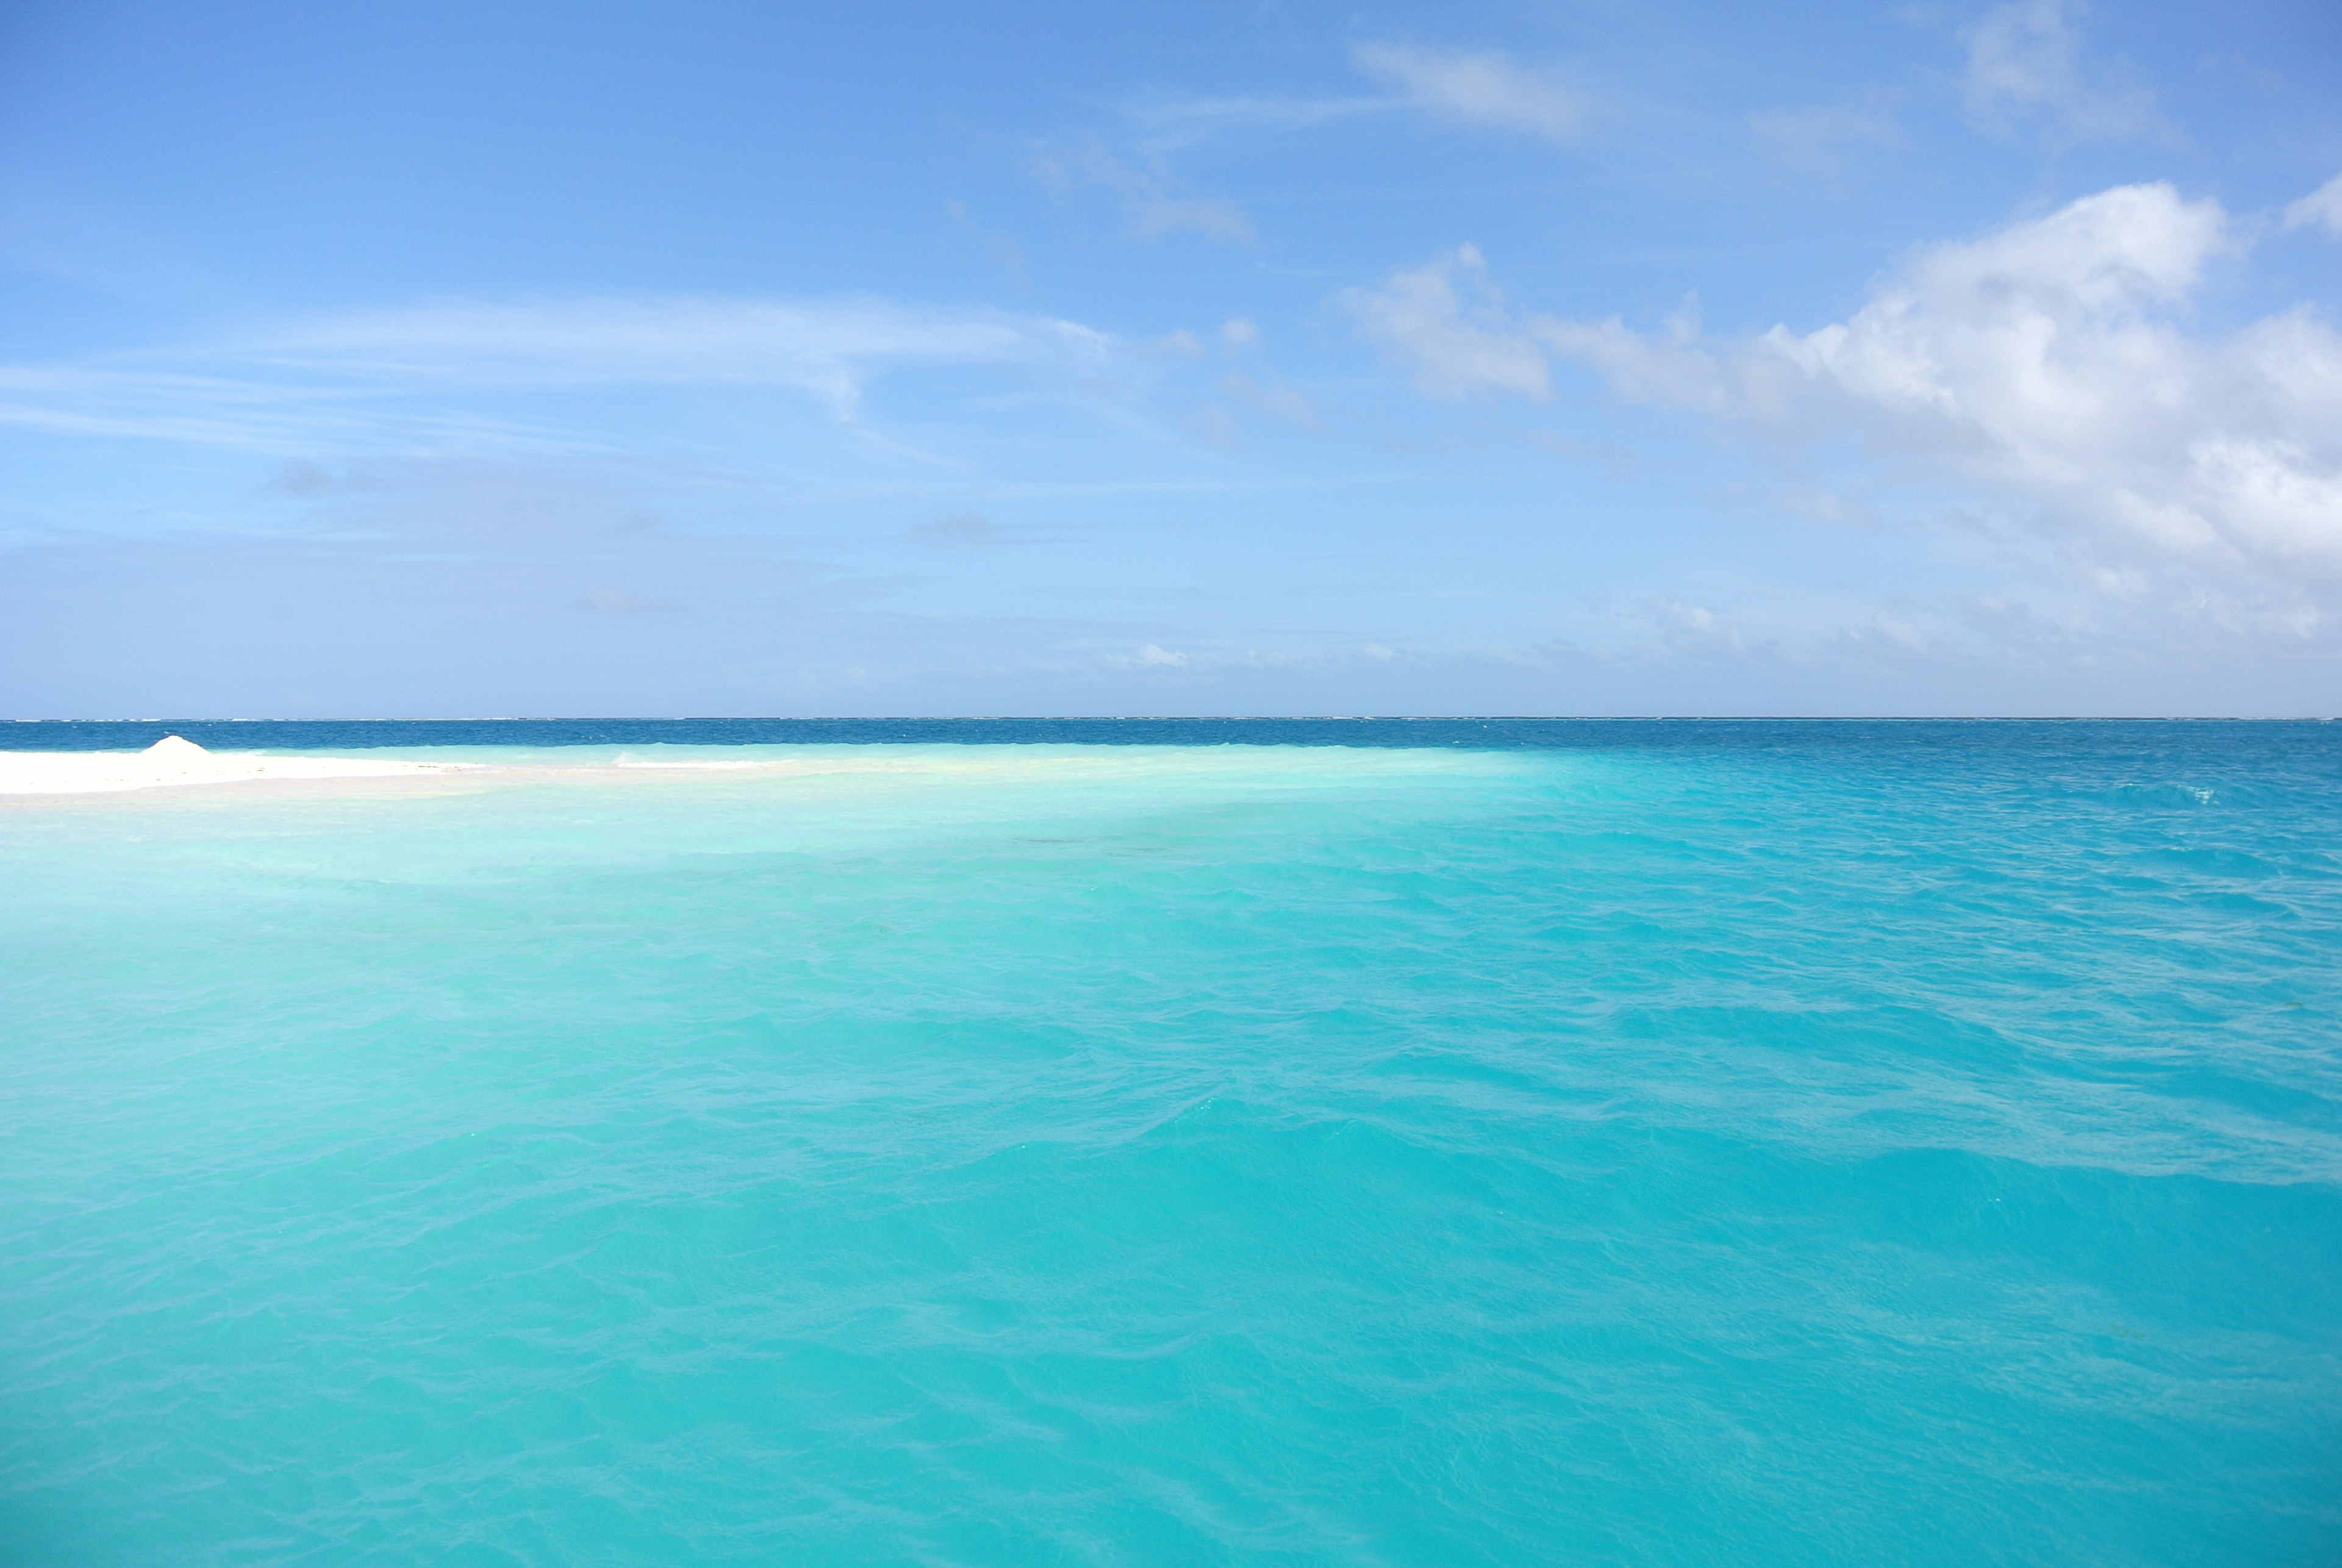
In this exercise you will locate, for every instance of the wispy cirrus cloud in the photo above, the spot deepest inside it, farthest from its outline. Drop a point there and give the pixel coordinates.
(1156, 201)
(1167, 124)
(829, 347)
(1486, 89)
(421, 369)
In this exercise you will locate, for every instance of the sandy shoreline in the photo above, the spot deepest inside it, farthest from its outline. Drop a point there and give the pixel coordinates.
(173, 764)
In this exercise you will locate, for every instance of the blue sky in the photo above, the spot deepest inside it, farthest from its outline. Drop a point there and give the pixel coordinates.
(493, 359)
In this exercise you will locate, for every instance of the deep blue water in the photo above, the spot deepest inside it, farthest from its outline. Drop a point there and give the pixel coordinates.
(1405, 1141)
(1901, 736)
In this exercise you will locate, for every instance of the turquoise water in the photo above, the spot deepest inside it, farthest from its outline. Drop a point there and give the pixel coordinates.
(1756, 1144)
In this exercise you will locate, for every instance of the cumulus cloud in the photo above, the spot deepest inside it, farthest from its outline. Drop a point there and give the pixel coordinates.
(2049, 363)
(2321, 208)
(1479, 88)
(1449, 325)
(2027, 65)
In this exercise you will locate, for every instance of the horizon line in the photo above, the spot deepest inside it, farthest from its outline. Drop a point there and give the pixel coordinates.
(1214, 718)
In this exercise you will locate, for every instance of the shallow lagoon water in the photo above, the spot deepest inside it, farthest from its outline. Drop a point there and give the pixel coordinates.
(1711, 1143)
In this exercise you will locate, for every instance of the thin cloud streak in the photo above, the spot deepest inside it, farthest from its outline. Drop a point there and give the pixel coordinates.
(1168, 126)
(1155, 199)
(828, 347)
(327, 378)
(1487, 89)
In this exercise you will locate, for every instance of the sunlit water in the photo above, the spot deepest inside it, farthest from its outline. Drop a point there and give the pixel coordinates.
(1743, 1143)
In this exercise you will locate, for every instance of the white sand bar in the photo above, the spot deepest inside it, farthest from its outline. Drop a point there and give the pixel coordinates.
(171, 763)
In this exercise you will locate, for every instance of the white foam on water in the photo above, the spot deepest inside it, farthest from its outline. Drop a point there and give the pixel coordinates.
(626, 761)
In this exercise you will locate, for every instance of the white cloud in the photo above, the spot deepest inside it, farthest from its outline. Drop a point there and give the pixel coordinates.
(1167, 124)
(1454, 340)
(1160, 658)
(617, 602)
(1271, 396)
(1256, 386)
(1480, 87)
(1211, 218)
(1822, 137)
(1694, 629)
(1215, 427)
(2321, 208)
(1154, 198)
(2027, 64)
(829, 347)
(2047, 363)
(957, 530)
(328, 377)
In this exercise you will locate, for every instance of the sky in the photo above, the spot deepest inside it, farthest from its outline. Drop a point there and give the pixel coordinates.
(504, 359)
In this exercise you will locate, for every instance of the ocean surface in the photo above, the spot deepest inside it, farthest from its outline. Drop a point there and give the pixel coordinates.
(1158, 1142)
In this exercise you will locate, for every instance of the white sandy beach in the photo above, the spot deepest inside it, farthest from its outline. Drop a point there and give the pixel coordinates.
(173, 763)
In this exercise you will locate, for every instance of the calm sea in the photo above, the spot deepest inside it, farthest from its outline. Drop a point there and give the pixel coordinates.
(1181, 1142)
